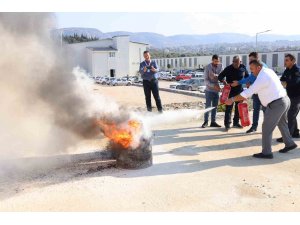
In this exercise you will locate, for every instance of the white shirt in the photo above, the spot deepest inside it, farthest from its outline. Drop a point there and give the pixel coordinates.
(268, 87)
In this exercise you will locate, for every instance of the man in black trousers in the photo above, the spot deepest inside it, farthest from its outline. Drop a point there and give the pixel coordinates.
(235, 71)
(291, 80)
(149, 71)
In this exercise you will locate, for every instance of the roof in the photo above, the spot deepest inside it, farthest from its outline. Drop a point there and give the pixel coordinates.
(103, 49)
(135, 42)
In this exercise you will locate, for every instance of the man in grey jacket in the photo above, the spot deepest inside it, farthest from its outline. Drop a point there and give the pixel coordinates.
(212, 89)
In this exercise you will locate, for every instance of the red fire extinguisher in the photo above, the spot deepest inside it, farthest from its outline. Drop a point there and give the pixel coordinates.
(244, 114)
(225, 93)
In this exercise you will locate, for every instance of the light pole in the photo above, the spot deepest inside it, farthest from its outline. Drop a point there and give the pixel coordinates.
(257, 35)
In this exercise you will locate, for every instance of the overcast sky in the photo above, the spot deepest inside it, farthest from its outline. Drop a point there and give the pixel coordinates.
(183, 23)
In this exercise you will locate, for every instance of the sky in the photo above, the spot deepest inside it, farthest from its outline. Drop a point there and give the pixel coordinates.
(172, 23)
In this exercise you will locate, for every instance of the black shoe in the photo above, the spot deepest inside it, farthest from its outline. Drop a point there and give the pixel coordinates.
(237, 125)
(263, 156)
(280, 140)
(227, 128)
(296, 135)
(214, 124)
(286, 149)
(204, 124)
(251, 130)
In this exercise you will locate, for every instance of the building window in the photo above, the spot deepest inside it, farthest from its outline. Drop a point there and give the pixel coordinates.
(244, 59)
(184, 62)
(195, 62)
(298, 60)
(172, 62)
(220, 58)
(176, 63)
(112, 54)
(180, 62)
(275, 60)
(227, 60)
(190, 62)
(264, 58)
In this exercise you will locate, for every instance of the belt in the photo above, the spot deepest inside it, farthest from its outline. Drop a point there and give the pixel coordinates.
(274, 101)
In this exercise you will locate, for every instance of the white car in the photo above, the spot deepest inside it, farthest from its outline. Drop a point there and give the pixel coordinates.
(121, 82)
(202, 87)
(198, 75)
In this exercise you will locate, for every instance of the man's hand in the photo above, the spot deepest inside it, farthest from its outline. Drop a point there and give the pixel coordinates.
(283, 83)
(145, 69)
(217, 88)
(234, 83)
(229, 101)
(153, 69)
(248, 85)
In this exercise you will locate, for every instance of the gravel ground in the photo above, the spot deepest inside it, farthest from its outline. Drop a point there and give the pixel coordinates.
(194, 170)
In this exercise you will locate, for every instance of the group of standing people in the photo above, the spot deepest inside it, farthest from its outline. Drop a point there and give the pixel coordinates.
(280, 101)
(278, 98)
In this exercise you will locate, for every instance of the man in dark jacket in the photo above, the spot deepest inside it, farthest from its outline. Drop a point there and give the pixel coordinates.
(235, 71)
(149, 71)
(291, 80)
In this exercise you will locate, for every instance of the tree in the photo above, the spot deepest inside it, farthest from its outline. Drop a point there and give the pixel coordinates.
(75, 38)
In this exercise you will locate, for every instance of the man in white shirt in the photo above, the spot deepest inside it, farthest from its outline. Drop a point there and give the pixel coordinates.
(272, 96)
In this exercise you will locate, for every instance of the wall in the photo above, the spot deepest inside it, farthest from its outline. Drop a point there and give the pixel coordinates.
(135, 57)
(204, 60)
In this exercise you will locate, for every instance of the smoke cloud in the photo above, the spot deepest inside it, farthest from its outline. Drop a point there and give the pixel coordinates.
(46, 105)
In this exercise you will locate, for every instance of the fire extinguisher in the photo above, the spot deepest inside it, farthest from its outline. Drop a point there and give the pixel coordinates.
(244, 114)
(225, 93)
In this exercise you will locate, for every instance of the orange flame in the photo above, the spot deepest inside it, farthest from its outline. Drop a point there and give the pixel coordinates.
(122, 134)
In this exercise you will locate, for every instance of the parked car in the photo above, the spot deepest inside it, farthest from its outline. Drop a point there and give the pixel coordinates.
(133, 79)
(98, 80)
(198, 75)
(191, 85)
(203, 87)
(182, 77)
(121, 82)
(104, 81)
(110, 80)
(173, 86)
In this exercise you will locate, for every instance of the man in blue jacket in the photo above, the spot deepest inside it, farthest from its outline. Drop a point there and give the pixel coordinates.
(149, 71)
(256, 102)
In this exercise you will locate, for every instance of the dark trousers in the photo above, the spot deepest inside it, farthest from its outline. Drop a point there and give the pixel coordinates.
(256, 110)
(292, 116)
(152, 86)
(228, 111)
(212, 100)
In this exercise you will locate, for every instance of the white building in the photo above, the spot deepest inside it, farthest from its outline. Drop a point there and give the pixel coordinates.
(274, 60)
(114, 57)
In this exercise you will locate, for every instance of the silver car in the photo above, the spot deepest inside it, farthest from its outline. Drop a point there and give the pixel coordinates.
(192, 84)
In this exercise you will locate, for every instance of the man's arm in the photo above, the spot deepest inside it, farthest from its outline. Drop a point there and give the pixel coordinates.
(253, 89)
(283, 80)
(154, 67)
(222, 75)
(142, 68)
(206, 78)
